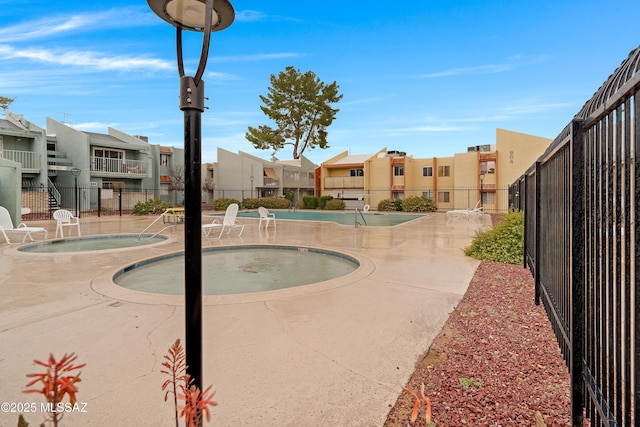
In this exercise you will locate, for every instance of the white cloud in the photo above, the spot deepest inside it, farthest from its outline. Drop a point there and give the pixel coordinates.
(249, 15)
(256, 57)
(85, 59)
(481, 69)
(513, 62)
(50, 26)
(90, 126)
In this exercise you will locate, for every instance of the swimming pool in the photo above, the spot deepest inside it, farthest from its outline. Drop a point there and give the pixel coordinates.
(239, 270)
(92, 243)
(345, 218)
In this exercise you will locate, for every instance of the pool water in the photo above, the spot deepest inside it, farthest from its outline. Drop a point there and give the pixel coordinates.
(239, 269)
(94, 243)
(345, 218)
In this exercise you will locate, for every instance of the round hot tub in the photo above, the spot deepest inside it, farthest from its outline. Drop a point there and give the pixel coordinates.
(92, 243)
(239, 270)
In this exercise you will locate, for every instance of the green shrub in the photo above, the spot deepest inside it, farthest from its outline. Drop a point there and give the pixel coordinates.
(153, 206)
(503, 243)
(324, 200)
(267, 202)
(418, 204)
(386, 205)
(310, 202)
(223, 204)
(289, 195)
(398, 204)
(334, 205)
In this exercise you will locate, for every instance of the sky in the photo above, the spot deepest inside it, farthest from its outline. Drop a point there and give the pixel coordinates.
(426, 77)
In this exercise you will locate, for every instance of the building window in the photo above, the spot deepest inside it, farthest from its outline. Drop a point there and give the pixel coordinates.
(164, 160)
(112, 185)
(356, 172)
(428, 194)
(427, 171)
(487, 167)
(108, 160)
(488, 198)
(398, 195)
(444, 171)
(443, 196)
(398, 171)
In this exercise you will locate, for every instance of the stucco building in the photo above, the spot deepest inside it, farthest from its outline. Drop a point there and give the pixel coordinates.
(239, 176)
(480, 175)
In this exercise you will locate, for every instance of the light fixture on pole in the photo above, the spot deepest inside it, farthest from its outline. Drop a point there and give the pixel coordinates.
(76, 173)
(200, 16)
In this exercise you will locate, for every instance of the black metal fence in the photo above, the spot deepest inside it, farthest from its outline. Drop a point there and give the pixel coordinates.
(42, 201)
(582, 246)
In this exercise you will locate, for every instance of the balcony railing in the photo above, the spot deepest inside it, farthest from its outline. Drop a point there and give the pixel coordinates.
(102, 165)
(344, 182)
(27, 159)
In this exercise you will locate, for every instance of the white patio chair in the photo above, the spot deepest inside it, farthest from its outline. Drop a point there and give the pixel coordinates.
(228, 222)
(6, 226)
(266, 217)
(466, 213)
(64, 218)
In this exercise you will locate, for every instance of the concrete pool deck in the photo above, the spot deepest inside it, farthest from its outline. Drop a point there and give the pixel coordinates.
(333, 354)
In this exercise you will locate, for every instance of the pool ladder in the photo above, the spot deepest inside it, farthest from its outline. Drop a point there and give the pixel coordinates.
(358, 223)
(158, 232)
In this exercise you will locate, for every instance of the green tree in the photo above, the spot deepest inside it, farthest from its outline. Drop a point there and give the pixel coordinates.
(5, 102)
(301, 107)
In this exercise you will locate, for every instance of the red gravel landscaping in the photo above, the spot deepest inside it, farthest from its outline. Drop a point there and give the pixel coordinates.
(496, 362)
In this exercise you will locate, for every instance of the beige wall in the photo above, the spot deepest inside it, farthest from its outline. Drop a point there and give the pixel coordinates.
(377, 180)
(415, 183)
(467, 180)
(516, 152)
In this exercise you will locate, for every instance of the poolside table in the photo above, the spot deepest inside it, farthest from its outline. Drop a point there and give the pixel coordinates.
(174, 215)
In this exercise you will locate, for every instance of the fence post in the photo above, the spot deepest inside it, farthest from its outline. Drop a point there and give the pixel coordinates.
(526, 223)
(99, 200)
(577, 254)
(120, 200)
(538, 180)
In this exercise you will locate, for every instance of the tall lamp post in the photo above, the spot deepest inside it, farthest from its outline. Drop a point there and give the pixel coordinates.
(199, 16)
(481, 179)
(76, 173)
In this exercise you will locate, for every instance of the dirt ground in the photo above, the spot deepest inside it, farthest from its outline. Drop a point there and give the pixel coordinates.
(496, 362)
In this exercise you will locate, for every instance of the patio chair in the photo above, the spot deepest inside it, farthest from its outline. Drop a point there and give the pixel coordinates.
(468, 214)
(6, 226)
(228, 222)
(266, 217)
(64, 218)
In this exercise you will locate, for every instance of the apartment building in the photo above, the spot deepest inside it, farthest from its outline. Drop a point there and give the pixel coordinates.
(480, 175)
(43, 162)
(242, 175)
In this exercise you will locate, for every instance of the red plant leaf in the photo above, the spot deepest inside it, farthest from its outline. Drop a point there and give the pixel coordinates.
(416, 406)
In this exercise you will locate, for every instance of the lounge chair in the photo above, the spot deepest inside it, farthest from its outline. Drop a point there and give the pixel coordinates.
(65, 218)
(228, 222)
(6, 226)
(468, 214)
(266, 217)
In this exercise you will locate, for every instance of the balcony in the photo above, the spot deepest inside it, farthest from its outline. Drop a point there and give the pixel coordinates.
(344, 182)
(101, 166)
(29, 161)
(270, 182)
